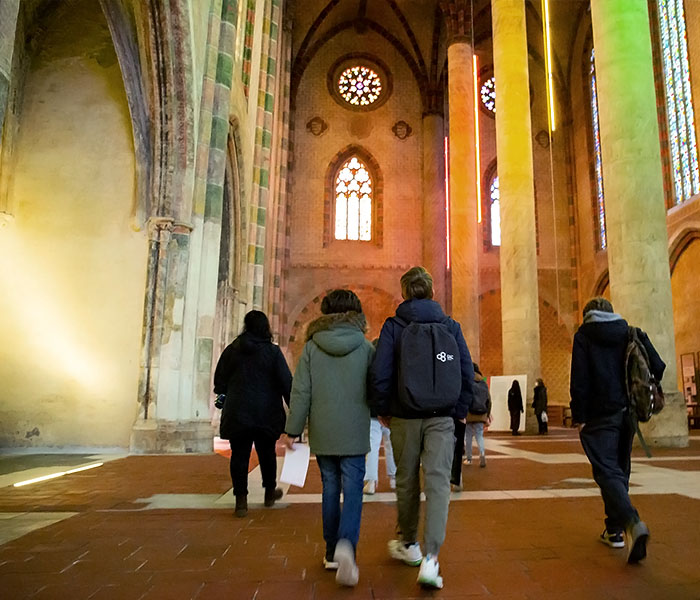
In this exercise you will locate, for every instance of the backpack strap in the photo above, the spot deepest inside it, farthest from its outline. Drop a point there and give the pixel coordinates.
(638, 431)
(401, 321)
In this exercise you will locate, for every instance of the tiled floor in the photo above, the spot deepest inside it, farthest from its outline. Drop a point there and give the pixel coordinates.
(526, 527)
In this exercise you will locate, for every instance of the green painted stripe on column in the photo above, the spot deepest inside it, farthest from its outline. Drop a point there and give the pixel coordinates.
(267, 139)
(264, 178)
(229, 11)
(224, 70)
(214, 201)
(259, 255)
(219, 133)
(269, 103)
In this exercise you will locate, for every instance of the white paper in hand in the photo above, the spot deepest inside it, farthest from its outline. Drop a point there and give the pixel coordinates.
(296, 465)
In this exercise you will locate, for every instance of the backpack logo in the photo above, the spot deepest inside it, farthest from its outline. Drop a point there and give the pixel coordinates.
(429, 374)
(444, 357)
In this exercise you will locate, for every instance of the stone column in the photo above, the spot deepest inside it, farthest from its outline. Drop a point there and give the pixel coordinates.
(434, 222)
(464, 259)
(640, 281)
(518, 254)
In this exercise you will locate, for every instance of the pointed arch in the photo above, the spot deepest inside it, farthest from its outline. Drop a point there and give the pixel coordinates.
(377, 210)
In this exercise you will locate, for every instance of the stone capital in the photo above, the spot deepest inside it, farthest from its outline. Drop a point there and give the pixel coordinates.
(458, 20)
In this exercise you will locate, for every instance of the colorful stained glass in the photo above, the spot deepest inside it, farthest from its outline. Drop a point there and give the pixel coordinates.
(495, 213)
(488, 94)
(598, 156)
(679, 100)
(353, 201)
(359, 86)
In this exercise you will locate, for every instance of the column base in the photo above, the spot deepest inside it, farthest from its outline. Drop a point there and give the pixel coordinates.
(668, 429)
(154, 436)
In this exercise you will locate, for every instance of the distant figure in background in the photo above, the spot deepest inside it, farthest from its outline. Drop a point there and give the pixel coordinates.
(377, 433)
(254, 376)
(540, 405)
(515, 406)
(479, 415)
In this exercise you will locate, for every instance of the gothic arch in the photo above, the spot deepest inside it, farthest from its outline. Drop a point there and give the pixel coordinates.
(377, 303)
(680, 244)
(377, 193)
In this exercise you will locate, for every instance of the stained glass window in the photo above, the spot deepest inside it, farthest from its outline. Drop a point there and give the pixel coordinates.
(353, 201)
(598, 159)
(359, 86)
(495, 213)
(679, 100)
(488, 94)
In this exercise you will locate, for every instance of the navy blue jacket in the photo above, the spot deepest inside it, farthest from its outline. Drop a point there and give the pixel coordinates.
(385, 368)
(598, 366)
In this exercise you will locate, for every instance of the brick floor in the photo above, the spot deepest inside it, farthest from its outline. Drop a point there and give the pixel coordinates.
(528, 548)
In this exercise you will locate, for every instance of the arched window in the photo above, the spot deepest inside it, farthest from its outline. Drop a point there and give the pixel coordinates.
(495, 210)
(353, 201)
(679, 100)
(597, 159)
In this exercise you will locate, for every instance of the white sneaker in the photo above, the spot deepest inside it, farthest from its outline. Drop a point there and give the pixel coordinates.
(392, 483)
(410, 554)
(429, 574)
(329, 565)
(370, 487)
(348, 573)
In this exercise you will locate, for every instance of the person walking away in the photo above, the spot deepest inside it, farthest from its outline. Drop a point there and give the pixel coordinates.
(515, 406)
(330, 391)
(476, 419)
(378, 434)
(539, 403)
(600, 409)
(253, 374)
(422, 426)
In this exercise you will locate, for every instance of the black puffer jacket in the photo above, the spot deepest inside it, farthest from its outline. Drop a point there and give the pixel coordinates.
(598, 366)
(254, 375)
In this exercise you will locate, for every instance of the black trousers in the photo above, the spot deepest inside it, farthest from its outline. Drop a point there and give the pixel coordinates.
(514, 421)
(607, 442)
(460, 429)
(241, 446)
(541, 425)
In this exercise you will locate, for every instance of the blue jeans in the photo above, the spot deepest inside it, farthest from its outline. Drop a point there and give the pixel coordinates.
(475, 430)
(346, 474)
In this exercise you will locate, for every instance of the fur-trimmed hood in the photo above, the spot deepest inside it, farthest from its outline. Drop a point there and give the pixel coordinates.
(338, 334)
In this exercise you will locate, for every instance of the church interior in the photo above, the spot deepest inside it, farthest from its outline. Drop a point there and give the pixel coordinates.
(166, 168)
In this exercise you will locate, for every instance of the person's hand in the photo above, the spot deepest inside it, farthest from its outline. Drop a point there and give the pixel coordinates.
(287, 441)
(463, 421)
(386, 421)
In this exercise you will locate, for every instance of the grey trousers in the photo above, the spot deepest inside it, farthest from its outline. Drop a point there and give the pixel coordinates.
(430, 443)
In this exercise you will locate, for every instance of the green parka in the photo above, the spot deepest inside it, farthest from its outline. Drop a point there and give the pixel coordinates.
(330, 386)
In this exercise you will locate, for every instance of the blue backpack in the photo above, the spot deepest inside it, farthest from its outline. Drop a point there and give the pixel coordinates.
(430, 373)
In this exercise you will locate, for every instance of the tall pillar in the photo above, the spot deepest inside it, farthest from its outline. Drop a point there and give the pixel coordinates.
(640, 280)
(518, 254)
(434, 222)
(464, 259)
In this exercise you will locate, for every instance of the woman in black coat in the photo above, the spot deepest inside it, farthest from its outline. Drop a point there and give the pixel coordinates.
(539, 403)
(515, 406)
(253, 374)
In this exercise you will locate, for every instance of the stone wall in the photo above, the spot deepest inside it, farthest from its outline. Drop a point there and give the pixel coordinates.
(72, 270)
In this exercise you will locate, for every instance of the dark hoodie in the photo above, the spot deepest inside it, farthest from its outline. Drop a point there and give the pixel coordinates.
(598, 365)
(254, 375)
(384, 372)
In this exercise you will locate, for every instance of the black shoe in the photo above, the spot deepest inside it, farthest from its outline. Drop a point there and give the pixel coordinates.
(241, 506)
(613, 539)
(637, 538)
(272, 495)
